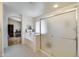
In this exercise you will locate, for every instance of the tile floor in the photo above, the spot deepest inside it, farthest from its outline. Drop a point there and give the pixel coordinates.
(21, 51)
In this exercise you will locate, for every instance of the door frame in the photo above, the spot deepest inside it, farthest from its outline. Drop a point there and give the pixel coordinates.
(60, 13)
(20, 17)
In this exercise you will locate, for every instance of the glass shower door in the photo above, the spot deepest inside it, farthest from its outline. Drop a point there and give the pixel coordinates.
(60, 39)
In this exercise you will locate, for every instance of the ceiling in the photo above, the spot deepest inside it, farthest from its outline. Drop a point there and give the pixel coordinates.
(35, 9)
(15, 18)
(26, 8)
(50, 8)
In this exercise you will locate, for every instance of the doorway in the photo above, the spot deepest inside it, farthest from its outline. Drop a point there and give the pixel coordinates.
(10, 30)
(14, 31)
(61, 37)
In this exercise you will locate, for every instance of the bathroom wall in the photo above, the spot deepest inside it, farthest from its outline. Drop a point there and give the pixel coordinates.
(25, 22)
(1, 27)
(78, 28)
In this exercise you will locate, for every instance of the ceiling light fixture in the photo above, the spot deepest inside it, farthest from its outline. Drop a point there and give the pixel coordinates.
(55, 6)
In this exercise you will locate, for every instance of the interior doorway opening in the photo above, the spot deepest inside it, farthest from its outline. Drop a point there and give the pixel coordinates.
(14, 30)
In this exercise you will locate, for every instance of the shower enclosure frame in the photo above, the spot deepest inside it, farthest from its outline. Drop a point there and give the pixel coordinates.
(60, 13)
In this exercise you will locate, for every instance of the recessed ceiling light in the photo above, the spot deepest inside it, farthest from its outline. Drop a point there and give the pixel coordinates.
(55, 6)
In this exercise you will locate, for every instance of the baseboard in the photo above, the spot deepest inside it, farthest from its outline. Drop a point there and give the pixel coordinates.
(45, 53)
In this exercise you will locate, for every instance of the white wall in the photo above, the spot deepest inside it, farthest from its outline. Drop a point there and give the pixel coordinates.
(78, 27)
(1, 27)
(7, 13)
(27, 21)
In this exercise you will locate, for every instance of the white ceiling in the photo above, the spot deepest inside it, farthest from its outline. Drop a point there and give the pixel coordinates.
(26, 8)
(34, 9)
(49, 6)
